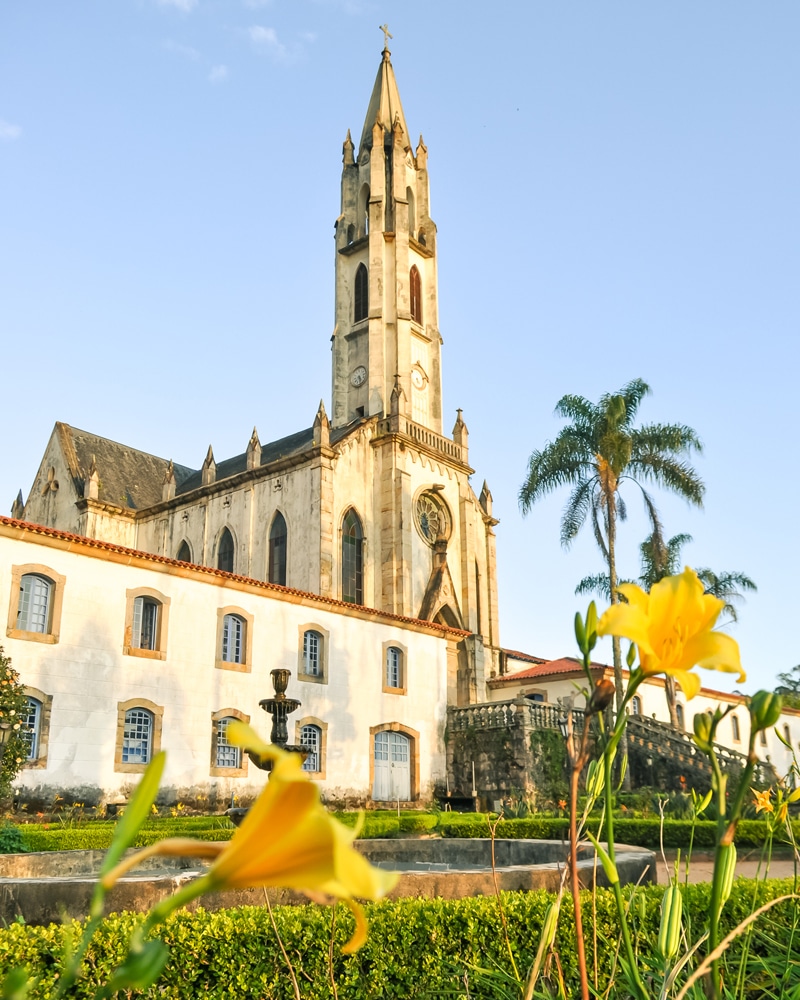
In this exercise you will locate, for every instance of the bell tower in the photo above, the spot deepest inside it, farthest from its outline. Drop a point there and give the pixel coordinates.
(386, 335)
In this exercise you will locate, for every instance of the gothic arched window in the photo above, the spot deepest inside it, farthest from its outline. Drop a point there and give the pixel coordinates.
(225, 551)
(184, 552)
(415, 286)
(276, 572)
(361, 305)
(352, 559)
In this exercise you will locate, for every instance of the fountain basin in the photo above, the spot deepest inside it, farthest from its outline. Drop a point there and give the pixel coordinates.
(45, 887)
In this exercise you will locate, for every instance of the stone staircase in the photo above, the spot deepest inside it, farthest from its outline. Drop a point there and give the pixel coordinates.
(647, 738)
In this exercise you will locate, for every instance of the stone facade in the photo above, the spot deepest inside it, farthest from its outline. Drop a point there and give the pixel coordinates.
(380, 477)
(86, 674)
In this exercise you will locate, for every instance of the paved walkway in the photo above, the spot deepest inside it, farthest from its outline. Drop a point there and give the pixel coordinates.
(702, 866)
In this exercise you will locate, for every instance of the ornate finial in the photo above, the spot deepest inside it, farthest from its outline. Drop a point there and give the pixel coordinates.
(386, 36)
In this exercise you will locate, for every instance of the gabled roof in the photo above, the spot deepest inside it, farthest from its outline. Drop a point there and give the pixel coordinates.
(384, 104)
(128, 477)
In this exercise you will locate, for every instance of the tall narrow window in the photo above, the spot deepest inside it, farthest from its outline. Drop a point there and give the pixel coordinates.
(352, 559)
(145, 623)
(31, 727)
(415, 291)
(227, 755)
(137, 737)
(312, 653)
(225, 551)
(277, 550)
(679, 713)
(361, 299)
(33, 610)
(311, 740)
(184, 552)
(394, 667)
(737, 735)
(233, 639)
(636, 705)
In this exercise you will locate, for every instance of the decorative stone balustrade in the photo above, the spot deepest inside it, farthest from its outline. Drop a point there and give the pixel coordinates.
(400, 424)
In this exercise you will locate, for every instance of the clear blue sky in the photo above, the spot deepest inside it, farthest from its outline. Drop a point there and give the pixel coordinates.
(616, 191)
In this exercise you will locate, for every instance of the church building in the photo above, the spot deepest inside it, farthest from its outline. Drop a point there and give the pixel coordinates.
(355, 552)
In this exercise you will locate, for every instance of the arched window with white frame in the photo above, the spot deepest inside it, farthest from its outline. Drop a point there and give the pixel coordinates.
(311, 741)
(234, 636)
(137, 737)
(31, 727)
(146, 623)
(227, 755)
(35, 603)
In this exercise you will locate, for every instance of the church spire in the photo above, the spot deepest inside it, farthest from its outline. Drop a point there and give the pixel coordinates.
(387, 321)
(384, 104)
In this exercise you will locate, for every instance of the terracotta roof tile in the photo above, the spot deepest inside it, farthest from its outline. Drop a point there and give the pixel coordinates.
(94, 543)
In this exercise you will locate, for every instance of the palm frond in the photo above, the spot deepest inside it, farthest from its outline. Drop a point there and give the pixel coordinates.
(563, 462)
(596, 584)
(726, 587)
(581, 501)
(583, 411)
(633, 393)
(671, 439)
(678, 477)
(599, 537)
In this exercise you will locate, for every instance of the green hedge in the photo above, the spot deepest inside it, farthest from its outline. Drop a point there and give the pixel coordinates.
(641, 832)
(96, 835)
(417, 948)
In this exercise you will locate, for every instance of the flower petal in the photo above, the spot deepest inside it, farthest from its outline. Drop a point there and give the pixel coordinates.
(629, 621)
(713, 651)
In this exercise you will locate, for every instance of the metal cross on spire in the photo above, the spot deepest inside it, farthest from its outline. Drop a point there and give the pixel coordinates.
(386, 35)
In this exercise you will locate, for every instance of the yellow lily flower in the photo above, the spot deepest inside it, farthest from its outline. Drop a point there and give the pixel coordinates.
(762, 802)
(287, 840)
(672, 628)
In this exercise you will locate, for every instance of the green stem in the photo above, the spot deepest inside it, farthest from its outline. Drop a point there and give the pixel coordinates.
(620, 902)
(726, 830)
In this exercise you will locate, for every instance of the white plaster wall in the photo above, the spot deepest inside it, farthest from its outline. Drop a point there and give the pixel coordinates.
(87, 674)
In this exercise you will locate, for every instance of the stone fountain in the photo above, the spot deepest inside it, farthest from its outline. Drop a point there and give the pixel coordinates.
(280, 708)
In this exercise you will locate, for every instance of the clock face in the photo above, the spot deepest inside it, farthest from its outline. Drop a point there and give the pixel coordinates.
(359, 376)
(417, 378)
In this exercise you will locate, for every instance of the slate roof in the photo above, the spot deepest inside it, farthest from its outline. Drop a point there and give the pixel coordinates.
(128, 477)
(134, 479)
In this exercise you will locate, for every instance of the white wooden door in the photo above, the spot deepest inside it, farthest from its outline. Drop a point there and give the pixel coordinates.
(392, 770)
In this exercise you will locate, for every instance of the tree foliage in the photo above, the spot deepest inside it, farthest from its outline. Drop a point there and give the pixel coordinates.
(13, 703)
(789, 686)
(598, 451)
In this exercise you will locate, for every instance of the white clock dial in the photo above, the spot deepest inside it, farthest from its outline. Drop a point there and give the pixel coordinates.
(359, 376)
(417, 378)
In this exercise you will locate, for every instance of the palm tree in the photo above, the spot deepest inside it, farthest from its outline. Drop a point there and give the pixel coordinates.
(660, 559)
(593, 455)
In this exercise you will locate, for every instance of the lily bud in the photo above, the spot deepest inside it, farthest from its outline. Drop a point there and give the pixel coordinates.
(591, 626)
(580, 633)
(765, 710)
(704, 731)
(601, 697)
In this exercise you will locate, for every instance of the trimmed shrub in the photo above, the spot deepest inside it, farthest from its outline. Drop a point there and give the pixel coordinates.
(417, 948)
